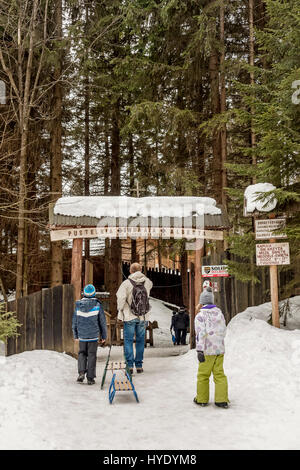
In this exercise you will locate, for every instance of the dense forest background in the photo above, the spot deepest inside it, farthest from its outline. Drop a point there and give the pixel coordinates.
(190, 97)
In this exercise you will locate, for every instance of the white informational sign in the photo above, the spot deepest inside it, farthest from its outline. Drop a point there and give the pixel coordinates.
(215, 271)
(135, 232)
(264, 229)
(270, 254)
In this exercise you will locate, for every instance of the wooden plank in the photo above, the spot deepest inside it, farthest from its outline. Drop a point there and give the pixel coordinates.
(151, 336)
(38, 320)
(274, 296)
(198, 268)
(47, 320)
(57, 299)
(123, 385)
(21, 316)
(67, 315)
(121, 365)
(192, 306)
(30, 339)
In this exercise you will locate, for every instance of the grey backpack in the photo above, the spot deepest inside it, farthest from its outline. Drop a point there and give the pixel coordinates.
(140, 301)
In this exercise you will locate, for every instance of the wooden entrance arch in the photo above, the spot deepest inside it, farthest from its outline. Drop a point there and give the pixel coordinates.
(78, 218)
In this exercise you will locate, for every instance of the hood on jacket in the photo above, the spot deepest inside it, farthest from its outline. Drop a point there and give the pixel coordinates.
(138, 277)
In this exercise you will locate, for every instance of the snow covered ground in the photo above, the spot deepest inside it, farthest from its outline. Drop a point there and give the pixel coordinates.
(42, 407)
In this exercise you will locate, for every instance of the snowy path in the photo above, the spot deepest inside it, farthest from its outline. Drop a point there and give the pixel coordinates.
(41, 406)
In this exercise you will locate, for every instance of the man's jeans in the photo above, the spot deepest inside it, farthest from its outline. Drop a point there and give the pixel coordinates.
(138, 328)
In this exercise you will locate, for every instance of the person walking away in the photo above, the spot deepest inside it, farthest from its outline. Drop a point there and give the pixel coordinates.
(172, 327)
(133, 310)
(182, 322)
(88, 324)
(210, 330)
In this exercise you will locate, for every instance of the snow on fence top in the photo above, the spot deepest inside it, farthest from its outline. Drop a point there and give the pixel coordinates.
(253, 192)
(123, 206)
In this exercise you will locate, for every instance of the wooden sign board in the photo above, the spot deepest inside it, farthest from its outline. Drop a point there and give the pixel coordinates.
(272, 254)
(135, 232)
(265, 228)
(215, 271)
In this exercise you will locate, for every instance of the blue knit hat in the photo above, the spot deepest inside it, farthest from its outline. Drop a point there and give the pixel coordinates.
(89, 291)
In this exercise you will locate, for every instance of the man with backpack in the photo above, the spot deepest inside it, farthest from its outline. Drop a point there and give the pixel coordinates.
(133, 310)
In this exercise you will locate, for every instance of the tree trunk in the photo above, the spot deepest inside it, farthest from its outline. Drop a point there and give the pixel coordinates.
(86, 131)
(223, 104)
(131, 187)
(215, 109)
(106, 174)
(252, 79)
(55, 149)
(21, 216)
(115, 271)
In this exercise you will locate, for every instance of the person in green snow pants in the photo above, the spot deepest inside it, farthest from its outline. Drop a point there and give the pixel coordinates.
(210, 330)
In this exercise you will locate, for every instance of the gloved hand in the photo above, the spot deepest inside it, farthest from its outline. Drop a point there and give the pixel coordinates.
(201, 357)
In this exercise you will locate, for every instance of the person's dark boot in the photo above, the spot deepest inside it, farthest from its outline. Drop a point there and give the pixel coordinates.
(139, 370)
(222, 404)
(91, 381)
(80, 377)
(199, 403)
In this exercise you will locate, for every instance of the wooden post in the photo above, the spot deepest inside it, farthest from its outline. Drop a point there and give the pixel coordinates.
(89, 274)
(274, 288)
(274, 295)
(198, 268)
(76, 267)
(192, 305)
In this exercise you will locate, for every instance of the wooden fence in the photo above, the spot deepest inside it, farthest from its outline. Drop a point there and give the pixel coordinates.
(46, 321)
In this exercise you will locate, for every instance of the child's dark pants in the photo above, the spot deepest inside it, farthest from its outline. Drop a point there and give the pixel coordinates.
(87, 358)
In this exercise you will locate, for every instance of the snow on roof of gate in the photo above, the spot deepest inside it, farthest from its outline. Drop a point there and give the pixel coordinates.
(124, 206)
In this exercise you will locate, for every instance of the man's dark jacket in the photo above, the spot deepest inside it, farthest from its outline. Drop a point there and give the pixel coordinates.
(182, 321)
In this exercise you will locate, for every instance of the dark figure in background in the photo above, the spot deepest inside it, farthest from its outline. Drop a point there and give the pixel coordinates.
(181, 322)
(172, 327)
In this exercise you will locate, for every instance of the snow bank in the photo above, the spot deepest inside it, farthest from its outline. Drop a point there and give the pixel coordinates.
(42, 407)
(123, 206)
(251, 194)
(290, 308)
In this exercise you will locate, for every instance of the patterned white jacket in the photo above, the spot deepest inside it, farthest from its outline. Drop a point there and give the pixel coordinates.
(210, 330)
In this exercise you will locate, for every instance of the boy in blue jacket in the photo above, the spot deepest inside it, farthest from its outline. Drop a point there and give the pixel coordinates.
(88, 324)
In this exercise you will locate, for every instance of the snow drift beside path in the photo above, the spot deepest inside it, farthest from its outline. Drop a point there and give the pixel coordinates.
(42, 407)
(290, 308)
